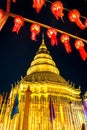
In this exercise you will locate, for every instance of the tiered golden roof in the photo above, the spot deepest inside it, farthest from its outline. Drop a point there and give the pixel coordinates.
(43, 68)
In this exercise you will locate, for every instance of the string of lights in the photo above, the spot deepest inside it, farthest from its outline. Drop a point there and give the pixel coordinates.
(47, 26)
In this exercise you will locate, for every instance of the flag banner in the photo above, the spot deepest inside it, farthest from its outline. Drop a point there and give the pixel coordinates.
(15, 107)
(85, 109)
(52, 111)
(3, 21)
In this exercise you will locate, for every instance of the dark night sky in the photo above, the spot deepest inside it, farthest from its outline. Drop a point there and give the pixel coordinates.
(17, 51)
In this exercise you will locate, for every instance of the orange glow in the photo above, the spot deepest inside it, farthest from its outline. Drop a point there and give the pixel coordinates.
(35, 29)
(37, 4)
(79, 45)
(65, 40)
(18, 22)
(74, 16)
(57, 9)
(52, 33)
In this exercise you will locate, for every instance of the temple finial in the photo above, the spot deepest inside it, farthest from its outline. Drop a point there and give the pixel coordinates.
(42, 38)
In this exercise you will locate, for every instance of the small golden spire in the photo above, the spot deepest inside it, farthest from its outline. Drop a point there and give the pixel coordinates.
(43, 43)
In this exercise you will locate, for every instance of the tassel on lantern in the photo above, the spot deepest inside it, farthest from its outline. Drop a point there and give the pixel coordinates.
(52, 34)
(65, 40)
(74, 16)
(57, 9)
(38, 4)
(79, 45)
(18, 22)
(35, 29)
(85, 23)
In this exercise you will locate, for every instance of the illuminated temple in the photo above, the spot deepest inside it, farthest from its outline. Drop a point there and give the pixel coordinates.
(42, 87)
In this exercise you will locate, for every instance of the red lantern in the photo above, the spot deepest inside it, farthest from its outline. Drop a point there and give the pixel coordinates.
(85, 23)
(74, 16)
(52, 33)
(35, 29)
(79, 45)
(37, 4)
(18, 22)
(1, 14)
(65, 40)
(57, 9)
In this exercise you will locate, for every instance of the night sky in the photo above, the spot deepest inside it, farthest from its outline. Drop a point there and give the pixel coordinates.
(18, 50)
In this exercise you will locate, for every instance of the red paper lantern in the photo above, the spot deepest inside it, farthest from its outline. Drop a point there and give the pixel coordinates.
(79, 45)
(1, 14)
(37, 4)
(18, 22)
(74, 16)
(52, 33)
(35, 29)
(57, 9)
(65, 40)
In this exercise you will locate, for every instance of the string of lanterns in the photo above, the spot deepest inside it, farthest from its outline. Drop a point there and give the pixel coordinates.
(57, 10)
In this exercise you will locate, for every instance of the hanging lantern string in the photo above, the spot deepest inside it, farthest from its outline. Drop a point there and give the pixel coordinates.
(66, 9)
(46, 26)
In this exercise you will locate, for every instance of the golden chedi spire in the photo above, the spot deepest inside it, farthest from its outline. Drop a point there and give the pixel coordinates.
(43, 67)
(42, 61)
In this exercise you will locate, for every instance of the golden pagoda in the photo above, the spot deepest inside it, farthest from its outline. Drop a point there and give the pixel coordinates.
(42, 83)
